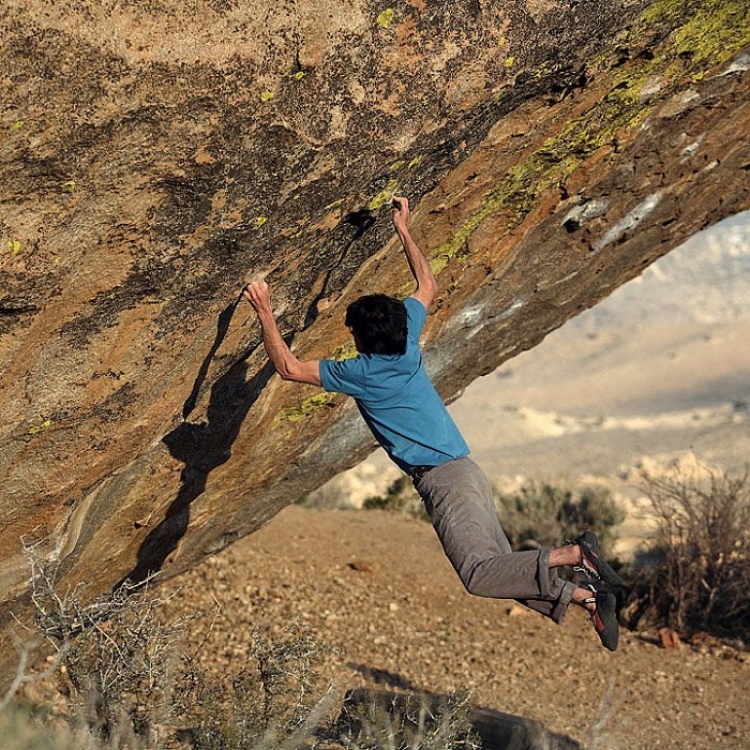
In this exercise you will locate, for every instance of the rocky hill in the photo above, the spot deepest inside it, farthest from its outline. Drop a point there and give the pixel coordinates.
(156, 154)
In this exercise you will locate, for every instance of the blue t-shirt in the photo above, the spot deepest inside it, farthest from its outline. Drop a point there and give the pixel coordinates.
(398, 401)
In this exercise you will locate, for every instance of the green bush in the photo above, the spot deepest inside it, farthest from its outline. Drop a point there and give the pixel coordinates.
(697, 575)
(400, 497)
(540, 514)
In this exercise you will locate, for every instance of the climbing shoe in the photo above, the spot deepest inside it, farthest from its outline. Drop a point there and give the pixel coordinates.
(604, 618)
(592, 563)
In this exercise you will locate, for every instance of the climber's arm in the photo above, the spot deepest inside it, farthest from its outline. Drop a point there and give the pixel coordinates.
(286, 363)
(420, 267)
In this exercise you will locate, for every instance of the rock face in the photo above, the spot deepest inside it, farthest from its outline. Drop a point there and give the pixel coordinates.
(155, 155)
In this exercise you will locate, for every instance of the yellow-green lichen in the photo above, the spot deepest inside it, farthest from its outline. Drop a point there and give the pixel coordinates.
(258, 222)
(17, 125)
(266, 96)
(551, 164)
(69, 186)
(335, 204)
(711, 35)
(397, 166)
(347, 350)
(717, 28)
(385, 19)
(14, 246)
(43, 427)
(306, 408)
(443, 255)
(384, 196)
(704, 35)
(542, 70)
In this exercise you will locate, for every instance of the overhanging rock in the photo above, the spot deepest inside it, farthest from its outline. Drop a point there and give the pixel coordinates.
(153, 160)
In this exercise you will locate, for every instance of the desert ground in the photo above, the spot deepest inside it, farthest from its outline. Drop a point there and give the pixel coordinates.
(376, 587)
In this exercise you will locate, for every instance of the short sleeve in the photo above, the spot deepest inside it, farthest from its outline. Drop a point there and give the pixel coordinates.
(416, 314)
(343, 376)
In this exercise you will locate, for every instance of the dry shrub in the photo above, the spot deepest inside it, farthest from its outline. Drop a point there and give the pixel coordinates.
(408, 721)
(126, 680)
(117, 656)
(698, 574)
(128, 685)
(19, 731)
(276, 699)
(543, 514)
(400, 497)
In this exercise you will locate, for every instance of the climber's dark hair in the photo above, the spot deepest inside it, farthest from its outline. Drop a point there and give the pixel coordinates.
(378, 323)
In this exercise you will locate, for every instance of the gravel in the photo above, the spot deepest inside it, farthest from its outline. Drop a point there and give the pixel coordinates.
(376, 588)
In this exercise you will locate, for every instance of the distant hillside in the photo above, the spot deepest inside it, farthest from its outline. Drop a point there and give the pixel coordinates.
(594, 398)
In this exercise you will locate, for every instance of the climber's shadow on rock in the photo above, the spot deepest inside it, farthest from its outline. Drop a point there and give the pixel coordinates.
(201, 447)
(361, 220)
(222, 326)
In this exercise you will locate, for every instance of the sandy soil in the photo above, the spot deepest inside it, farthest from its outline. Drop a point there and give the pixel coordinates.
(378, 588)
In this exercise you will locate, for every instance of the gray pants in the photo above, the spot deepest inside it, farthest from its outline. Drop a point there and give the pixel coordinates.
(458, 499)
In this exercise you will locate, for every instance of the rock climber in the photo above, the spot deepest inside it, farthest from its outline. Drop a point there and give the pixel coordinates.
(407, 417)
